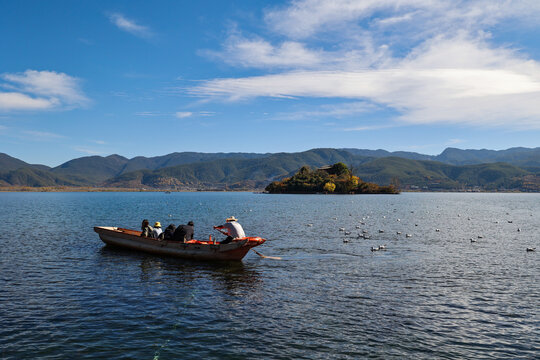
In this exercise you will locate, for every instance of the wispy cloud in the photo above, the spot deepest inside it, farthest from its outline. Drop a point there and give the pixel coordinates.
(454, 141)
(259, 53)
(149, 113)
(42, 135)
(369, 127)
(88, 151)
(130, 26)
(334, 111)
(40, 90)
(183, 114)
(430, 61)
(99, 142)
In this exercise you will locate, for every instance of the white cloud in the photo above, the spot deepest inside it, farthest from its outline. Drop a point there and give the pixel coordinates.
(454, 141)
(183, 114)
(429, 60)
(43, 135)
(88, 151)
(40, 90)
(129, 26)
(334, 111)
(17, 101)
(99, 142)
(369, 127)
(260, 53)
(304, 18)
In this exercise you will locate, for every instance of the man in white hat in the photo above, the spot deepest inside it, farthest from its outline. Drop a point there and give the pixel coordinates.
(232, 229)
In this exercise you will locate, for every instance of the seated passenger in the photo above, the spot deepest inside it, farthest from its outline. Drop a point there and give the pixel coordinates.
(232, 229)
(146, 229)
(168, 234)
(157, 230)
(184, 233)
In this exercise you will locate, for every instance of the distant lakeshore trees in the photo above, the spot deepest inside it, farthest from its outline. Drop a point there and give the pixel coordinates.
(335, 179)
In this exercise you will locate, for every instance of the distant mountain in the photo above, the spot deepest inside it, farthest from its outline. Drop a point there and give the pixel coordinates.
(383, 153)
(232, 173)
(519, 156)
(8, 163)
(37, 178)
(174, 159)
(523, 157)
(516, 168)
(95, 169)
(434, 175)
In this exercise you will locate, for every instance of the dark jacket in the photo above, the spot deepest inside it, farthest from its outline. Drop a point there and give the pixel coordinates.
(168, 234)
(183, 233)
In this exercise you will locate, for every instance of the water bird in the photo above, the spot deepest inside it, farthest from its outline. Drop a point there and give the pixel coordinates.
(381, 231)
(373, 248)
(335, 218)
(408, 235)
(345, 240)
(480, 236)
(398, 219)
(309, 225)
(531, 249)
(468, 218)
(399, 232)
(473, 240)
(510, 221)
(341, 229)
(519, 229)
(364, 231)
(438, 230)
(347, 233)
(382, 247)
(358, 226)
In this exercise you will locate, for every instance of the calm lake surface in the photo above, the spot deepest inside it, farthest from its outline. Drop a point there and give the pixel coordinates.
(436, 294)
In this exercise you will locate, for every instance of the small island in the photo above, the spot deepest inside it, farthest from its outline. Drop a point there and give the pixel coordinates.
(334, 179)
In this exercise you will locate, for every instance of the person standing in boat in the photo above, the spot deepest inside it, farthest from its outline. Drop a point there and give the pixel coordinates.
(232, 229)
(184, 233)
(146, 229)
(157, 230)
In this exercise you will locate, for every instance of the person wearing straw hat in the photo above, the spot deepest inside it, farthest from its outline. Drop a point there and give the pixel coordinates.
(232, 229)
(157, 230)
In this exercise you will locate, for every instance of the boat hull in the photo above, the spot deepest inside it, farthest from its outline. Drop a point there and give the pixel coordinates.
(202, 250)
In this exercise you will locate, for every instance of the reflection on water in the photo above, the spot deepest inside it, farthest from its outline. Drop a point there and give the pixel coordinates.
(434, 294)
(228, 276)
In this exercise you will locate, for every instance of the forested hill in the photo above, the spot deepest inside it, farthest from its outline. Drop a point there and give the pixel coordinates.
(453, 169)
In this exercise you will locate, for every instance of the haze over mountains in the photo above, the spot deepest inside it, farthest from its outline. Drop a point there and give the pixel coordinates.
(453, 169)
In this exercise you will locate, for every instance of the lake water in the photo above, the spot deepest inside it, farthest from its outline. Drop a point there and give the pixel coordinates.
(436, 294)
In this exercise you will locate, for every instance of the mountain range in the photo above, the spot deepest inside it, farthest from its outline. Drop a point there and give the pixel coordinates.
(453, 169)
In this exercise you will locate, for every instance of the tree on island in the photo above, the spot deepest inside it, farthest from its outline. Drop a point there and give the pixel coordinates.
(337, 179)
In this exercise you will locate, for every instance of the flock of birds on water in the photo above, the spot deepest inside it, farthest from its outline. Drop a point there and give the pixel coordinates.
(364, 234)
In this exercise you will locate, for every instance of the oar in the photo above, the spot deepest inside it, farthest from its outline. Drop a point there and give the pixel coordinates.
(266, 257)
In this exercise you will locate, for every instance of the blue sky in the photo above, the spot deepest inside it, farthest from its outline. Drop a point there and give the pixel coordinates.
(81, 78)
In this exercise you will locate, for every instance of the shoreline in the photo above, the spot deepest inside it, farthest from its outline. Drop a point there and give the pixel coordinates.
(258, 191)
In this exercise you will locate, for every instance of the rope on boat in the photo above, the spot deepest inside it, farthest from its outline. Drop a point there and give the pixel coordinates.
(266, 257)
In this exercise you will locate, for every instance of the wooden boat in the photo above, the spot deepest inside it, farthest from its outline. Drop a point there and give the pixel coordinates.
(194, 249)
